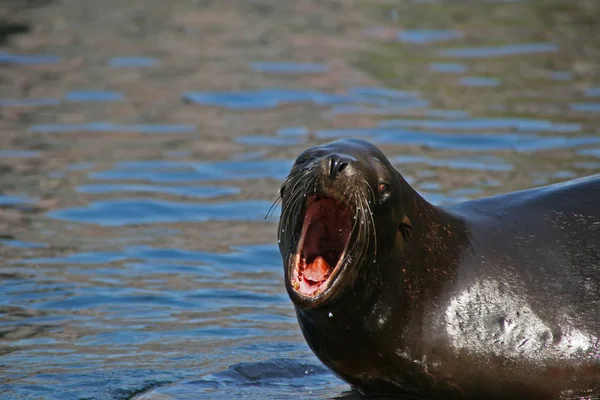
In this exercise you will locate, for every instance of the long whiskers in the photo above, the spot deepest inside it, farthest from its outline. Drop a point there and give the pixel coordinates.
(363, 223)
(369, 201)
(273, 206)
(304, 182)
(301, 182)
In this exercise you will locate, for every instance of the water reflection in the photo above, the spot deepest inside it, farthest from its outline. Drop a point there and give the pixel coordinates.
(586, 107)
(473, 142)
(132, 62)
(111, 127)
(148, 211)
(592, 92)
(191, 191)
(142, 148)
(24, 59)
(451, 68)
(28, 102)
(485, 124)
(94, 95)
(423, 36)
(479, 81)
(499, 51)
(288, 68)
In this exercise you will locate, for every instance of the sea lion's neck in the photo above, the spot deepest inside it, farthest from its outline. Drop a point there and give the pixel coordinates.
(429, 256)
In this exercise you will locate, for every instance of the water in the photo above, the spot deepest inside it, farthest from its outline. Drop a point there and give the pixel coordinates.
(142, 147)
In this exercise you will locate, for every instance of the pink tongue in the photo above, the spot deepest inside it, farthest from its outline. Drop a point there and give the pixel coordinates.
(317, 270)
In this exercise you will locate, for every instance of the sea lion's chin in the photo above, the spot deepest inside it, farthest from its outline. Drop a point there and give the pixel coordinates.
(316, 267)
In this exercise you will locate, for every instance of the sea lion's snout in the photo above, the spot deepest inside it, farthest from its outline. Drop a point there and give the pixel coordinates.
(326, 225)
(337, 172)
(338, 164)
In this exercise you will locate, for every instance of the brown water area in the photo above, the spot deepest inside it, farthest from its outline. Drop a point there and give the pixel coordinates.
(143, 142)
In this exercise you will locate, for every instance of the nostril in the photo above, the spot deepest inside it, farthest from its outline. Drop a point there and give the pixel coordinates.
(337, 165)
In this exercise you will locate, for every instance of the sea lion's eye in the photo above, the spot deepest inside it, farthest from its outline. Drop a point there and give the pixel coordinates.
(383, 188)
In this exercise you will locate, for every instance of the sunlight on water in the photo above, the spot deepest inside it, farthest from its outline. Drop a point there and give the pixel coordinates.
(142, 152)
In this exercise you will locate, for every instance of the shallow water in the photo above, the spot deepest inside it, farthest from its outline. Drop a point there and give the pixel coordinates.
(143, 144)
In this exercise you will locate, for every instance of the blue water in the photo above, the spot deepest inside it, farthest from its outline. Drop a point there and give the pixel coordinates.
(485, 124)
(146, 211)
(593, 92)
(479, 81)
(110, 127)
(27, 59)
(561, 76)
(586, 107)
(132, 62)
(463, 141)
(142, 151)
(190, 191)
(451, 68)
(5, 153)
(499, 51)
(28, 102)
(423, 36)
(289, 68)
(268, 140)
(94, 95)
(190, 171)
(6, 200)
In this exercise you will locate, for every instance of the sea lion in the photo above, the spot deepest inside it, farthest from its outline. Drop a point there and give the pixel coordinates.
(496, 298)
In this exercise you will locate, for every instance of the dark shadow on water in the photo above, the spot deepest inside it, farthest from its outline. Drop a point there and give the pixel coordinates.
(291, 377)
(250, 379)
(13, 25)
(9, 28)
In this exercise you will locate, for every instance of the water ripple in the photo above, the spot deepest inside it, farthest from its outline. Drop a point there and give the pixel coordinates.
(519, 124)
(424, 36)
(586, 107)
(250, 380)
(148, 211)
(471, 142)
(136, 260)
(132, 62)
(450, 68)
(275, 97)
(192, 191)
(8, 200)
(289, 68)
(34, 102)
(111, 127)
(94, 95)
(499, 51)
(6, 153)
(29, 59)
(476, 163)
(479, 81)
(593, 92)
(181, 171)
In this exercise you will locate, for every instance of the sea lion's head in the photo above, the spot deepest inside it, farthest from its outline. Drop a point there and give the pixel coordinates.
(340, 208)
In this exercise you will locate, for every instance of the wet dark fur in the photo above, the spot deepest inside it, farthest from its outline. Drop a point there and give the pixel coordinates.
(384, 327)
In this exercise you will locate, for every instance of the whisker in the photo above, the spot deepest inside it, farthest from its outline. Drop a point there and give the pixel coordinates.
(273, 206)
(301, 186)
(370, 213)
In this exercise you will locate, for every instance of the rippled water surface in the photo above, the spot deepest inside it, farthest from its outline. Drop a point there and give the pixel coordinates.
(143, 143)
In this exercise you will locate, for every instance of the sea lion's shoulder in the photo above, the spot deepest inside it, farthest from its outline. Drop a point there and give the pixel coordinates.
(578, 196)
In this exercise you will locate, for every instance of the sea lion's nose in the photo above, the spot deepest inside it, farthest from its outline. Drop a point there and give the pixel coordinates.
(338, 163)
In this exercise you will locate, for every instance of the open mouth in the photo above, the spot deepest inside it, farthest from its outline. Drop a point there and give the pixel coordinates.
(324, 239)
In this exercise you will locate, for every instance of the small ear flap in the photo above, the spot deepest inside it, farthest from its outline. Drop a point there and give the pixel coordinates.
(405, 228)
